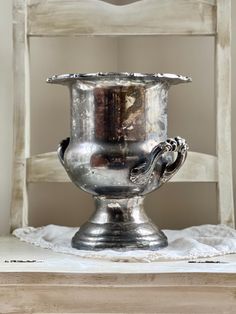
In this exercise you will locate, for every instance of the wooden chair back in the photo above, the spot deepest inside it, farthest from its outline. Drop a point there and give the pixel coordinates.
(144, 17)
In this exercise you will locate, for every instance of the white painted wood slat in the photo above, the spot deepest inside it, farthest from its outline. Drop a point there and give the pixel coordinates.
(65, 299)
(15, 254)
(144, 17)
(19, 202)
(197, 168)
(223, 115)
(35, 280)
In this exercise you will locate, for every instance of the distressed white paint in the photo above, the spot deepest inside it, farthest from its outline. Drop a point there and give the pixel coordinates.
(86, 17)
(19, 205)
(197, 168)
(223, 107)
(43, 298)
(60, 283)
(12, 248)
(46, 168)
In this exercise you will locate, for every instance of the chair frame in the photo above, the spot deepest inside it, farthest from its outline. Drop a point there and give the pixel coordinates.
(83, 17)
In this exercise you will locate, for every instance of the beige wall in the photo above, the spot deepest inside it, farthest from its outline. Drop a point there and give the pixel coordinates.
(191, 111)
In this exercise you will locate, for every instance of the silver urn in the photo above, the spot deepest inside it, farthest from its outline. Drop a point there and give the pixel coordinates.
(118, 151)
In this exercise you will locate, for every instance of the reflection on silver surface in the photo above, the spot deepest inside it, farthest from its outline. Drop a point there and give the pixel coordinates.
(118, 151)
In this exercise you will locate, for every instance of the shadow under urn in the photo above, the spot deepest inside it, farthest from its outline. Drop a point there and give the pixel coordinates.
(119, 151)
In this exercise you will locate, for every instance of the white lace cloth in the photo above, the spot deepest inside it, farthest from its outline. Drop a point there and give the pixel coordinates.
(190, 243)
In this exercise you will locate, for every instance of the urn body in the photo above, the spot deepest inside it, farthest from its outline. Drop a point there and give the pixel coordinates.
(118, 151)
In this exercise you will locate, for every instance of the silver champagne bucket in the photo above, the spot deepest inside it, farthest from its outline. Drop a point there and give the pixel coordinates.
(118, 151)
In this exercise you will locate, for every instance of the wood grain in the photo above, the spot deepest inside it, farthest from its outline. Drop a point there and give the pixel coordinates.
(197, 168)
(147, 17)
(223, 116)
(113, 299)
(61, 283)
(19, 203)
(46, 168)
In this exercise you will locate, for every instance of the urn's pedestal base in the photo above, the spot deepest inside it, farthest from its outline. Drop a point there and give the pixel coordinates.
(119, 224)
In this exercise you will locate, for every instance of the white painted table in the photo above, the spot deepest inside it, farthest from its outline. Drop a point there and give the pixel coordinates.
(34, 280)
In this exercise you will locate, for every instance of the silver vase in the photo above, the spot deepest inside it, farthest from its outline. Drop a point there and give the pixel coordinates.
(118, 151)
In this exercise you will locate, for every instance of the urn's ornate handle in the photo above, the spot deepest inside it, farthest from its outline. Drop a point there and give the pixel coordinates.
(180, 146)
(61, 149)
(142, 173)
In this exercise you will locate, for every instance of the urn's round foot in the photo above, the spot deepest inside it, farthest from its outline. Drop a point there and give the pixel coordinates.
(121, 236)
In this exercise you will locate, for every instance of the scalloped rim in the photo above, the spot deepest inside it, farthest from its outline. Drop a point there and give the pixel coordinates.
(172, 78)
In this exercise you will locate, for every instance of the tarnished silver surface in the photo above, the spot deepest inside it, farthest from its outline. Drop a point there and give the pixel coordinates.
(118, 151)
